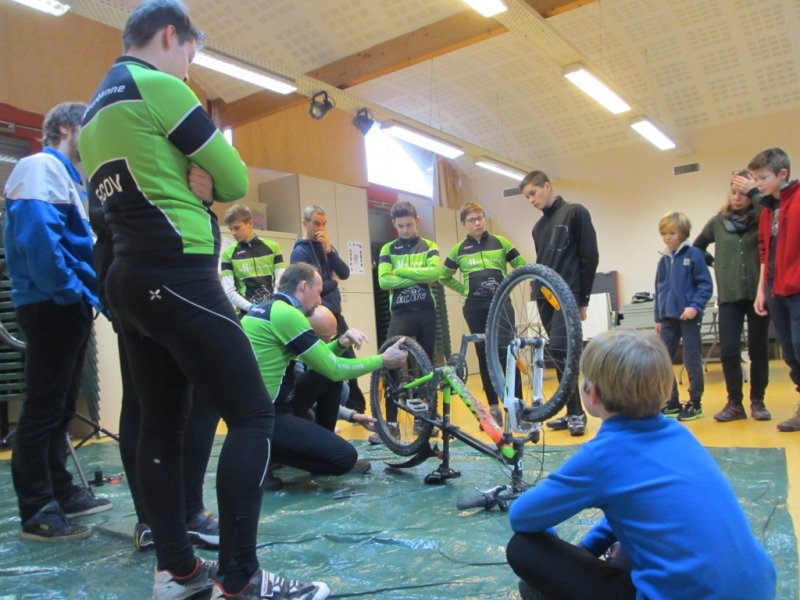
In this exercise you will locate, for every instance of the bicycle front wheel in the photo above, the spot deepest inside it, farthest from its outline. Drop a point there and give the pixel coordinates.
(535, 313)
(396, 408)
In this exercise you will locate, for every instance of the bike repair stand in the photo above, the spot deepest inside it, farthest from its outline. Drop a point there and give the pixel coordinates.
(443, 472)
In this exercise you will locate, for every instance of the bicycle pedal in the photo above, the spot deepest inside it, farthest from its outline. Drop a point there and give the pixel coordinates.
(416, 406)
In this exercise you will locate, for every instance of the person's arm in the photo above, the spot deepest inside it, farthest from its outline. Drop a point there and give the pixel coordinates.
(427, 274)
(599, 538)
(513, 256)
(705, 239)
(589, 255)
(337, 265)
(701, 277)
(563, 494)
(449, 268)
(37, 228)
(191, 130)
(234, 297)
(386, 279)
(302, 253)
(760, 304)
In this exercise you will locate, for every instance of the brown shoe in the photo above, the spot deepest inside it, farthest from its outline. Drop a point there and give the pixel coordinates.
(731, 412)
(759, 412)
(792, 423)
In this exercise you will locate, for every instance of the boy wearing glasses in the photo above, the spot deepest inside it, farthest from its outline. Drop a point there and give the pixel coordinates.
(483, 259)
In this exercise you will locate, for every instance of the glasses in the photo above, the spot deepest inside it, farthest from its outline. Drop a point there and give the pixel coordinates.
(475, 219)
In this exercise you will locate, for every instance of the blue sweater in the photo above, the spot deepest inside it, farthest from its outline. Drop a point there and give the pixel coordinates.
(328, 265)
(668, 504)
(47, 239)
(682, 280)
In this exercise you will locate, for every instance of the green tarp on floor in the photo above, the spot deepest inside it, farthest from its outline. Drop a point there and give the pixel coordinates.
(383, 535)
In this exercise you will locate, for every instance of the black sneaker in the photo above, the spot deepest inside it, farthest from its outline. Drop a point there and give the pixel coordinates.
(558, 424)
(268, 585)
(690, 412)
(361, 467)
(203, 530)
(671, 411)
(143, 538)
(82, 502)
(50, 524)
(576, 425)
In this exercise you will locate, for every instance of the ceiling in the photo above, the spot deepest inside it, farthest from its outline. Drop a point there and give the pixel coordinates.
(495, 85)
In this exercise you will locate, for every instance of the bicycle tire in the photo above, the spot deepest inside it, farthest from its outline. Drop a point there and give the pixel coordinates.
(391, 403)
(536, 296)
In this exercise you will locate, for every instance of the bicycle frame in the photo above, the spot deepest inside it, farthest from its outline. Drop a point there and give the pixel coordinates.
(507, 448)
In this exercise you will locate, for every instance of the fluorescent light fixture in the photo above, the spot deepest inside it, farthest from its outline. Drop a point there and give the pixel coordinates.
(233, 68)
(488, 8)
(645, 128)
(51, 7)
(423, 140)
(595, 88)
(5, 158)
(227, 133)
(500, 168)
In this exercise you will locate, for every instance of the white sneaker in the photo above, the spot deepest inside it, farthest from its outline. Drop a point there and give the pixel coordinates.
(269, 585)
(166, 587)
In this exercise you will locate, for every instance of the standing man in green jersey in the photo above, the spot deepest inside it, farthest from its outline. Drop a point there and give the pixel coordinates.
(483, 259)
(250, 268)
(407, 267)
(147, 143)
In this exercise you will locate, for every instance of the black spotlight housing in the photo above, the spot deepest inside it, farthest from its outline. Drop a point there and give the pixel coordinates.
(320, 105)
(363, 121)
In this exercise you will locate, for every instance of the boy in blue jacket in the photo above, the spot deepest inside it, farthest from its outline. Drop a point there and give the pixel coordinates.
(680, 530)
(683, 287)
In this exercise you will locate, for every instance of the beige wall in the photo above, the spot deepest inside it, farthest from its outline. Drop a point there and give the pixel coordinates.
(292, 142)
(627, 190)
(47, 60)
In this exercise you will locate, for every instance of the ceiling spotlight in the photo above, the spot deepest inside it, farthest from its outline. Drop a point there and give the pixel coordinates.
(320, 105)
(363, 121)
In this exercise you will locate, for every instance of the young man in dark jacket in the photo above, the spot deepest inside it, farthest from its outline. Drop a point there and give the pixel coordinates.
(565, 241)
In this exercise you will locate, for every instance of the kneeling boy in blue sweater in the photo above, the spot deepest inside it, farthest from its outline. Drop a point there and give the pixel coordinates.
(679, 525)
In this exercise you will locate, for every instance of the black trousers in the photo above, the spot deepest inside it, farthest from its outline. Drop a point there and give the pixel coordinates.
(417, 324)
(303, 444)
(556, 327)
(356, 400)
(190, 338)
(314, 390)
(560, 570)
(731, 318)
(199, 439)
(56, 338)
(785, 314)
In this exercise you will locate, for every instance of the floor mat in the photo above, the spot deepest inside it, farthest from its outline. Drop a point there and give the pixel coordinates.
(381, 535)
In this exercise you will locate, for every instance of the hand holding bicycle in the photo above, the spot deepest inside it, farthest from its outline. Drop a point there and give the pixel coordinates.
(394, 356)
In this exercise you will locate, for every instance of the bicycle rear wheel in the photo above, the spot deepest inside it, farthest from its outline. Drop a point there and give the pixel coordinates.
(396, 408)
(534, 307)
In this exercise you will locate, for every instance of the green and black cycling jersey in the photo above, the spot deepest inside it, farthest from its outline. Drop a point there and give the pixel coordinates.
(142, 131)
(279, 333)
(483, 264)
(407, 268)
(252, 266)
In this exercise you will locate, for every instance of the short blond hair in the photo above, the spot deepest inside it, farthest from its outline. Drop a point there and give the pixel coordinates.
(678, 220)
(630, 370)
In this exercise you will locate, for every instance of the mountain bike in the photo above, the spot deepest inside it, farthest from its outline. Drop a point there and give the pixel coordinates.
(533, 343)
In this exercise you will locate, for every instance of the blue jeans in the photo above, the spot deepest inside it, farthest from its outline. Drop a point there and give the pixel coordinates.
(785, 313)
(672, 331)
